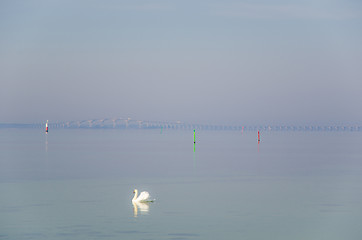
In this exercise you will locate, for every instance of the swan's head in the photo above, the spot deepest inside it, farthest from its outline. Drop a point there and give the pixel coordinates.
(135, 192)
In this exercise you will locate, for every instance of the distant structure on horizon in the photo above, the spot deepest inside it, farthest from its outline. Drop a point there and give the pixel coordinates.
(128, 123)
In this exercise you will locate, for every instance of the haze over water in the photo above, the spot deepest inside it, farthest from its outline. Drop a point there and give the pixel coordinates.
(210, 61)
(78, 184)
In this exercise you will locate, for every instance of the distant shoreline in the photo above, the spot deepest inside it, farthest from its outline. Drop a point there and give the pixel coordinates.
(17, 125)
(186, 126)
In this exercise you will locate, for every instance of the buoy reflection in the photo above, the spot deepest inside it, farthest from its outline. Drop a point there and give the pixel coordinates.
(194, 156)
(46, 143)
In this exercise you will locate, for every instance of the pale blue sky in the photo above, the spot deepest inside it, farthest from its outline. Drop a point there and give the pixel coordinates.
(195, 61)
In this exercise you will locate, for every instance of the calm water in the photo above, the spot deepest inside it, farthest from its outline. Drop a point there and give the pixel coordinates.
(78, 184)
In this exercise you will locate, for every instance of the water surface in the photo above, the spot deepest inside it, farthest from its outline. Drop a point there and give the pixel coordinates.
(78, 184)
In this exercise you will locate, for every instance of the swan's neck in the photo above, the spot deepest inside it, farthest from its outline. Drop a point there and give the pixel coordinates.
(135, 195)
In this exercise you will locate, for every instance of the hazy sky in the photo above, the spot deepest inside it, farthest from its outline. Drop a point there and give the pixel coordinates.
(197, 61)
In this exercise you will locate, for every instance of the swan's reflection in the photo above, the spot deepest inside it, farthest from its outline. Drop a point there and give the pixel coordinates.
(143, 207)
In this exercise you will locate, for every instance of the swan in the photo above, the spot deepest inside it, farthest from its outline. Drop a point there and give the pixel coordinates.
(143, 197)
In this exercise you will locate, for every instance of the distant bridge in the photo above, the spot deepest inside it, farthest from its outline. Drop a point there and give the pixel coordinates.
(128, 123)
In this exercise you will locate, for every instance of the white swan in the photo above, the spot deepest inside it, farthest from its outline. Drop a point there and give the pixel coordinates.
(143, 197)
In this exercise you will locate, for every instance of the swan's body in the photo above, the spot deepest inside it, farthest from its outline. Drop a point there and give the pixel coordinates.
(143, 197)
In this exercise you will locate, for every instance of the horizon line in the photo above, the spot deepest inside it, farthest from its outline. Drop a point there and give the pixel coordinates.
(128, 123)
